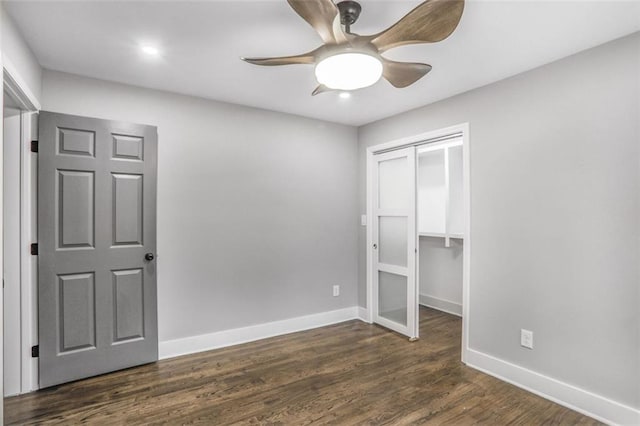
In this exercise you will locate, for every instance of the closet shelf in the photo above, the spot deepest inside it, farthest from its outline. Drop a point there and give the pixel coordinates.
(441, 235)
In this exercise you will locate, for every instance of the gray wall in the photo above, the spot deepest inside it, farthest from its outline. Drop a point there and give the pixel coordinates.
(16, 51)
(440, 272)
(555, 181)
(257, 211)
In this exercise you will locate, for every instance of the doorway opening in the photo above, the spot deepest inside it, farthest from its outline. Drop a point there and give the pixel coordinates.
(418, 229)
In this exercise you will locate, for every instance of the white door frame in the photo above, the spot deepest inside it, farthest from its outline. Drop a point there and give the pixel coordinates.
(1, 233)
(462, 129)
(15, 86)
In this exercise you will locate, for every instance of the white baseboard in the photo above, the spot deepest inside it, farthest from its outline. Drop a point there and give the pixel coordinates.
(363, 314)
(221, 339)
(575, 398)
(441, 304)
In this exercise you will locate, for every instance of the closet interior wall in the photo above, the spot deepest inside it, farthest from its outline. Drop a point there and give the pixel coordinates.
(440, 216)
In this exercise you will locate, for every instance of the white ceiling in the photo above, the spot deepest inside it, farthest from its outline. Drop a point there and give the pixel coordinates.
(201, 42)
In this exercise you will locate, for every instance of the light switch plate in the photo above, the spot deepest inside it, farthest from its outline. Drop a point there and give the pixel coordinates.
(363, 220)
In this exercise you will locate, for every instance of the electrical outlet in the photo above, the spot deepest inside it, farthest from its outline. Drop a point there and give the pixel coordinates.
(336, 290)
(526, 338)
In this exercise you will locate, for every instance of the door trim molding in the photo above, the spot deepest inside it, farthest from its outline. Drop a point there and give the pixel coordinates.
(460, 129)
(236, 336)
(28, 263)
(17, 88)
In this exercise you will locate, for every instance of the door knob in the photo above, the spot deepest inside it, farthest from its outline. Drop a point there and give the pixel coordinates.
(149, 257)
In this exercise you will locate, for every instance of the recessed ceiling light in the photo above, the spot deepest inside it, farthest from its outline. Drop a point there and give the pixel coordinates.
(344, 95)
(150, 50)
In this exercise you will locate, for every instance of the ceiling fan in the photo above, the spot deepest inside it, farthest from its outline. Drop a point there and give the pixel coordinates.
(348, 61)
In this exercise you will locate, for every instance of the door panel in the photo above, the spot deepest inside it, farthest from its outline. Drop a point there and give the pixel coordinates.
(392, 237)
(395, 301)
(76, 142)
(75, 201)
(127, 147)
(392, 297)
(128, 315)
(392, 174)
(96, 221)
(76, 293)
(127, 209)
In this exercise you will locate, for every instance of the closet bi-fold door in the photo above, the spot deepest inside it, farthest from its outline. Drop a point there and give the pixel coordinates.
(395, 292)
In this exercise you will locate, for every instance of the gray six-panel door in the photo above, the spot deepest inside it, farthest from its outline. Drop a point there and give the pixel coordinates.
(96, 224)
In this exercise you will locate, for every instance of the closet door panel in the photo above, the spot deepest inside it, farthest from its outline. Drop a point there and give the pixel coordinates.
(395, 293)
(392, 235)
(432, 192)
(393, 192)
(392, 297)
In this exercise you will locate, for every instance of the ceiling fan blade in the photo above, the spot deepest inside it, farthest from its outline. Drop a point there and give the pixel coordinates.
(430, 22)
(305, 58)
(321, 89)
(403, 74)
(323, 16)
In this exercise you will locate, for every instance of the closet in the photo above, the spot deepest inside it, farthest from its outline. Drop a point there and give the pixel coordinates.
(417, 199)
(440, 224)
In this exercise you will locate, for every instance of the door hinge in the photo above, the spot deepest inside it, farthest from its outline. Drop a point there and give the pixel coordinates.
(34, 249)
(35, 351)
(34, 146)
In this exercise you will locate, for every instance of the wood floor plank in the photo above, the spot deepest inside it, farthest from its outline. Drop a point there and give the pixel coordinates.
(349, 374)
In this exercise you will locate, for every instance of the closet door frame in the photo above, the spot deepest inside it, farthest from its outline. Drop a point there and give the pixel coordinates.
(417, 139)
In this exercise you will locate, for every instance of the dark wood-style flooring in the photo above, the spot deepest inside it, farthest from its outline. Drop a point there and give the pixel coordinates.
(347, 374)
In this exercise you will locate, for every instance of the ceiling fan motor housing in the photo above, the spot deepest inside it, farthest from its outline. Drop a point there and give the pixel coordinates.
(349, 12)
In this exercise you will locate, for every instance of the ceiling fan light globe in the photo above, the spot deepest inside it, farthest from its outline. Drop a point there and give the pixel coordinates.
(349, 71)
